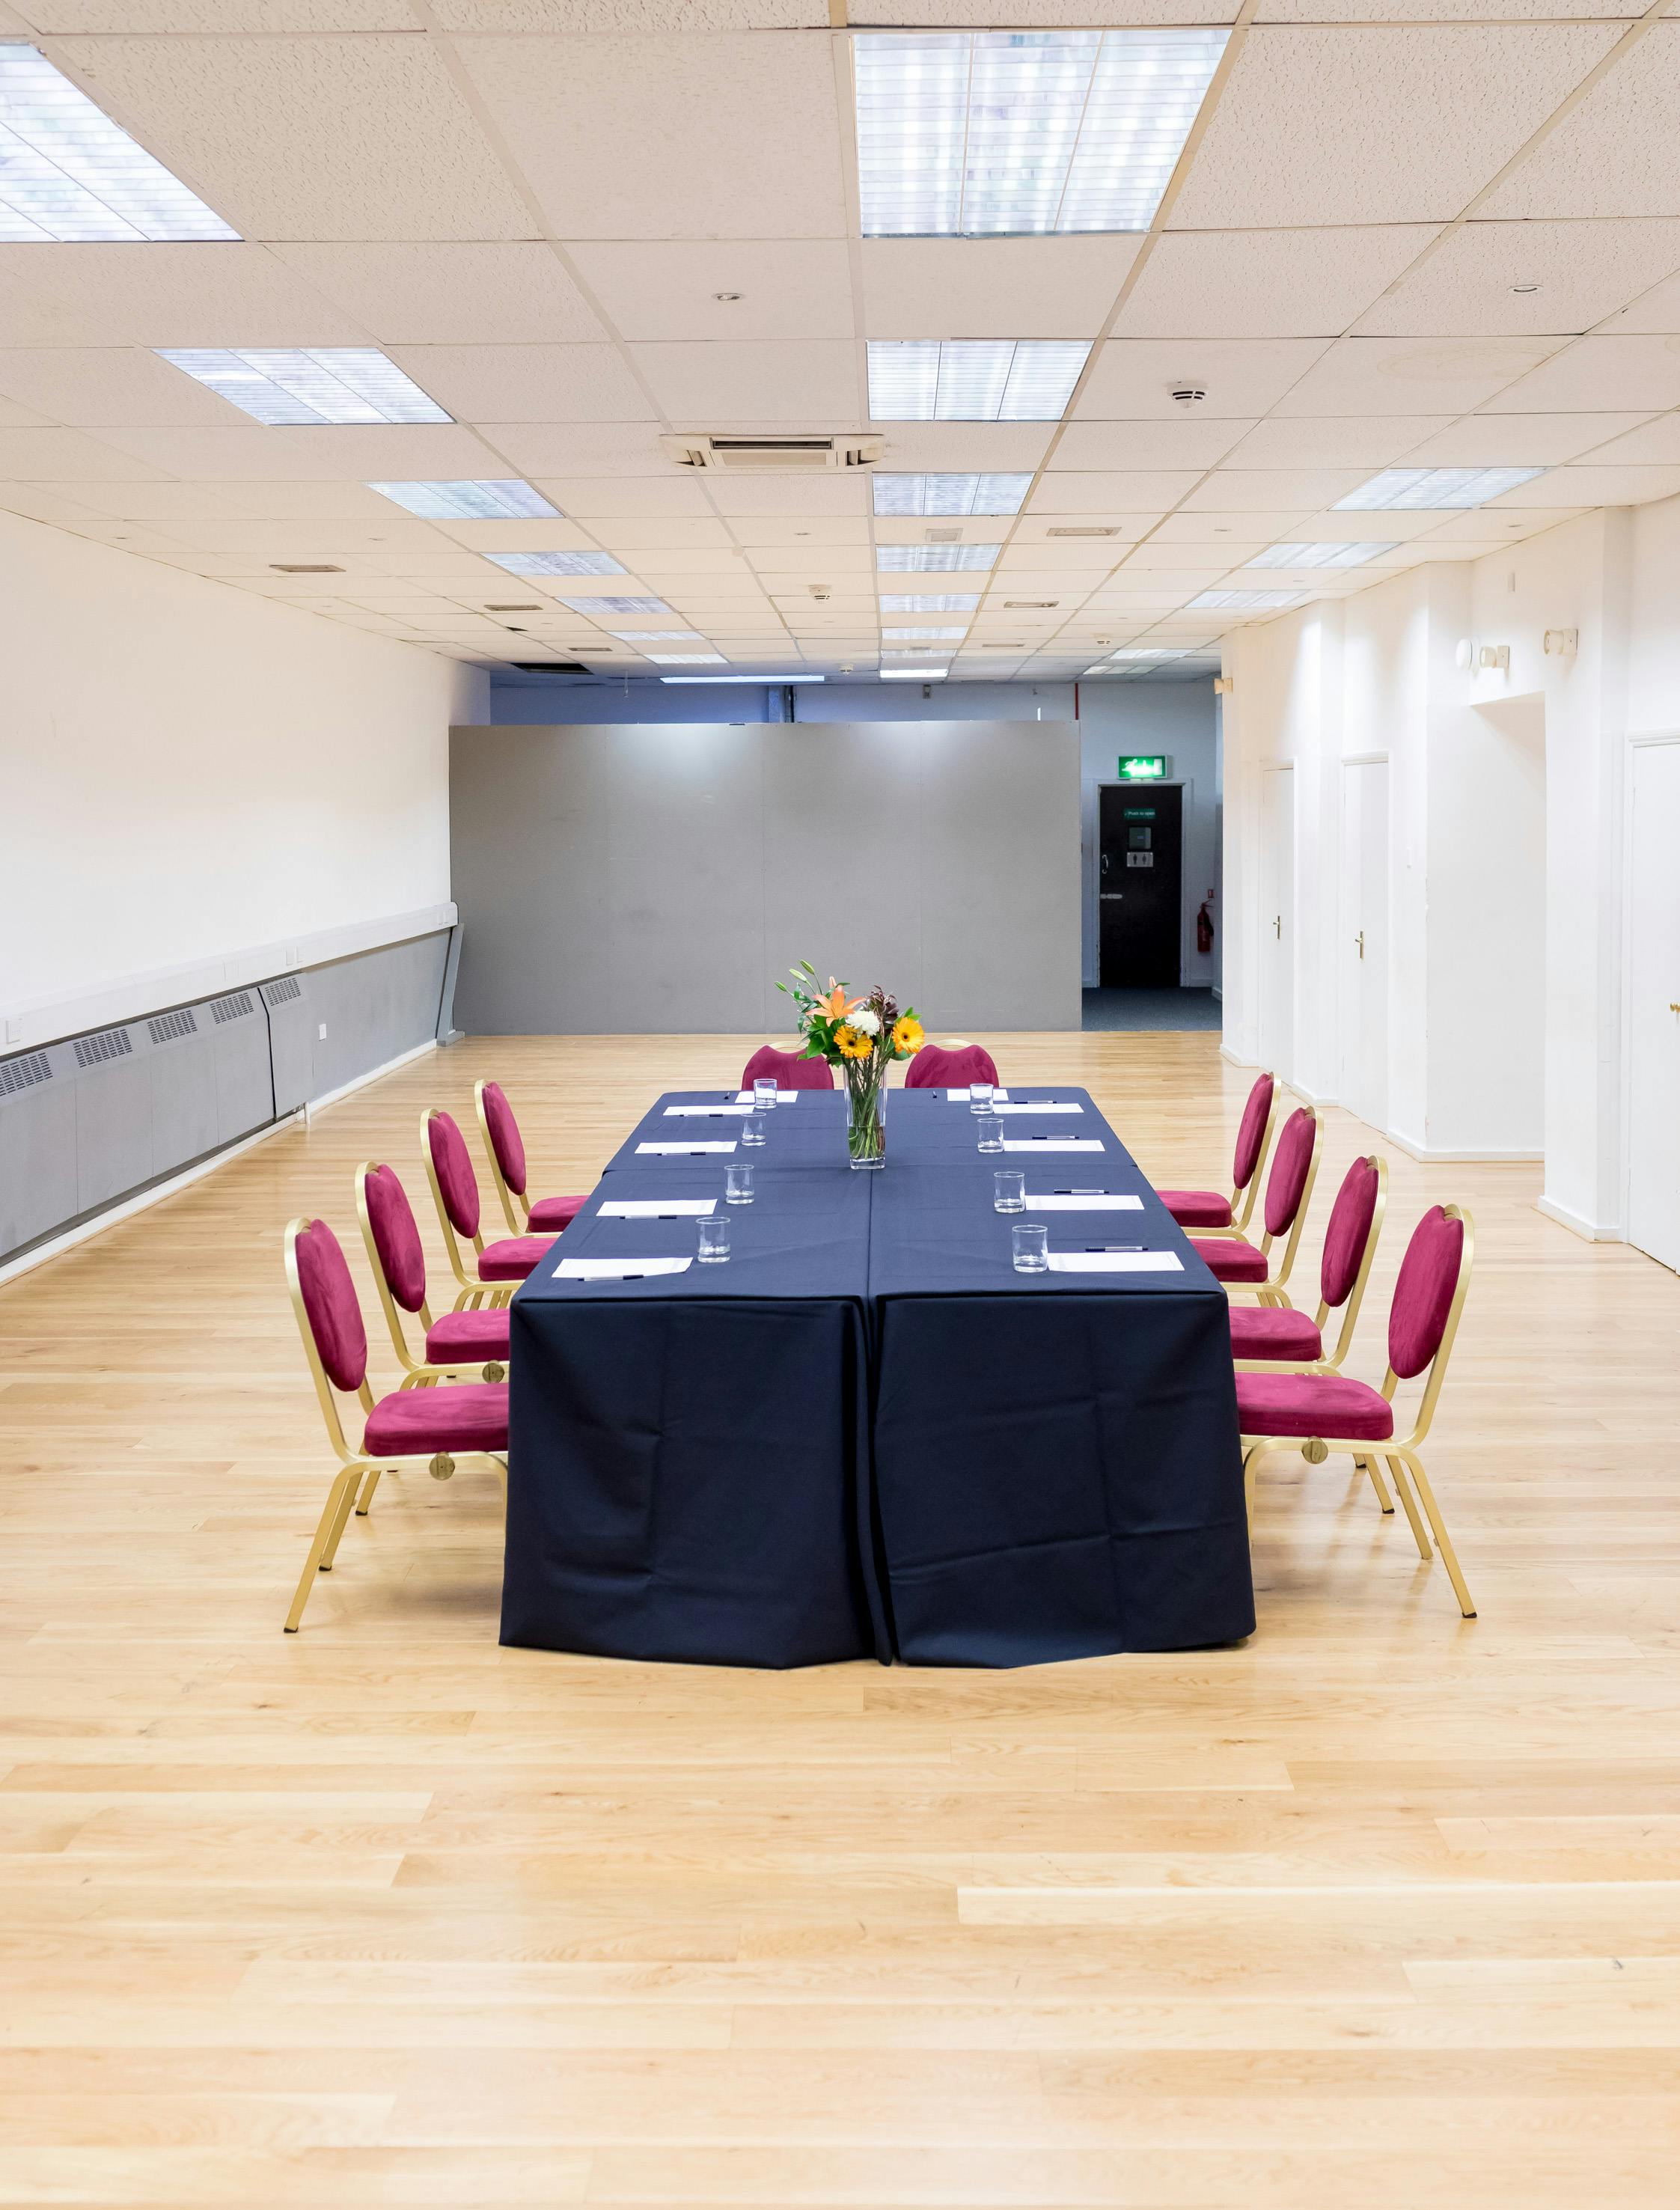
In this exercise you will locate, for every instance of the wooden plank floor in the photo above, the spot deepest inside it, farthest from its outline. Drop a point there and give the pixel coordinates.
(1383, 1908)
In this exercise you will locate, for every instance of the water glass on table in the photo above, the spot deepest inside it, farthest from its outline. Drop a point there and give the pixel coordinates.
(738, 1184)
(764, 1093)
(1032, 1246)
(752, 1128)
(714, 1237)
(1009, 1190)
(990, 1127)
(979, 1097)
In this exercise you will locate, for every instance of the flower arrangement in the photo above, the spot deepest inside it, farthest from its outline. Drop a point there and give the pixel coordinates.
(861, 1036)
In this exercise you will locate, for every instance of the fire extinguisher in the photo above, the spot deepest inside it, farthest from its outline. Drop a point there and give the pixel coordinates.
(1203, 929)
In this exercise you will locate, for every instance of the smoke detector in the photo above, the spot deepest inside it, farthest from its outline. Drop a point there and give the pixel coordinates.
(1188, 394)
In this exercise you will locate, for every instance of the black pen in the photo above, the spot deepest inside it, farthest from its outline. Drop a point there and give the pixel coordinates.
(1116, 1247)
(1080, 1193)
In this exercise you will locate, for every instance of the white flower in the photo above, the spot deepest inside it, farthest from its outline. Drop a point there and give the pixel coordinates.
(865, 1022)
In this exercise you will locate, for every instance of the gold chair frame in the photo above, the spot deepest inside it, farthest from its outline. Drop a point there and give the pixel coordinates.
(471, 1294)
(354, 1467)
(1271, 1292)
(417, 1372)
(516, 1225)
(1405, 1465)
(1332, 1361)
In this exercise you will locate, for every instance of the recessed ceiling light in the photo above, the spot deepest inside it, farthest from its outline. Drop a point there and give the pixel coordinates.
(1318, 556)
(726, 299)
(69, 175)
(1525, 288)
(1030, 605)
(1000, 134)
(504, 499)
(973, 379)
(655, 636)
(892, 635)
(929, 602)
(686, 659)
(304, 567)
(1248, 602)
(536, 608)
(951, 494)
(925, 559)
(308, 383)
(743, 678)
(1432, 487)
(914, 674)
(581, 605)
(558, 564)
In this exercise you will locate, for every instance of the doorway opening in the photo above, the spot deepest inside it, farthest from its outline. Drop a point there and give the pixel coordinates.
(1140, 914)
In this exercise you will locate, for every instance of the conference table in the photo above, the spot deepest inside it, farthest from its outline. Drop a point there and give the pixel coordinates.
(865, 1433)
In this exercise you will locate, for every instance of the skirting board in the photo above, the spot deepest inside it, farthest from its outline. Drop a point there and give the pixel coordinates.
(1427, 1155)
(85, 1230)
(1588, 1231)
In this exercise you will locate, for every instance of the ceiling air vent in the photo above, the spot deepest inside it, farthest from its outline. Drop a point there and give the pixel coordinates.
(851, 451)
(942, 536)
(1085, 532)
(169, 1028)
(109, 1043)
(25, 1073)
(304, 567)
(282, 991)
(223, 1009)
(1030, 606)
(532, 609)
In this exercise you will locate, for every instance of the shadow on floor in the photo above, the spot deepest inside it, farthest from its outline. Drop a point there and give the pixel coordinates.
(1150, 1009)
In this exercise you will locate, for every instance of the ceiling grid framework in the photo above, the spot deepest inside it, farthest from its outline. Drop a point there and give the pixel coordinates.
(1400, 235)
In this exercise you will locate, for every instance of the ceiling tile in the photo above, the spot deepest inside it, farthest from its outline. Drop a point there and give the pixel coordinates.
(1132, 379)
(746, 494)
(1583, 271)
(628, 497)
(1412, 375)
(1592, 484)
(512, 292)
(1111, 492)
(993, 287)
(163, 294)
(1232, 491)
(1266, 284)
(1638, 373)
(1192, 440)
(1334, 441)
(786, 381)
(577, 449)
(69, 456)
(93, 385)
(1657, 441)
(219, 16)
(156, 502)
(1325, 123)
(1004, 448)
(578, 383)
(1613, 154)
(791, 289)
(1493, 441)
(1657, 311)
(312, 138)
(630, 14)
(680, 136)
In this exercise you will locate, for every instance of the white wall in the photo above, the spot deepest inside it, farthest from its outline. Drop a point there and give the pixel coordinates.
(1507, 835)
(189, 769)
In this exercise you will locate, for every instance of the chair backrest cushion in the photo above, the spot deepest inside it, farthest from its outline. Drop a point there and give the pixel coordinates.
(395, 1237)
(1251, 1132)
(1423, 1292)
(1347, 1234)
(504, 1137)
(933, 1067)
(330, 1305)
(1288, 1177)
(791, 1072)
(453, 1165)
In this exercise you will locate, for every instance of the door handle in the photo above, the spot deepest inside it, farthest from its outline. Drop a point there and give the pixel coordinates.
(1674, 1008)
(1360, 941)
(1278, 926)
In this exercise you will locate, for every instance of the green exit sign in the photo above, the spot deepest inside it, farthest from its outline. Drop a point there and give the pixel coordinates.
(1142, 767)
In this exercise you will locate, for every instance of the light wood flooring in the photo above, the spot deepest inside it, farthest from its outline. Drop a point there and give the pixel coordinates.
(1382, 1909)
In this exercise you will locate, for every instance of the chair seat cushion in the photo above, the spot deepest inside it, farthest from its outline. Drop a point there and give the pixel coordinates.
(469, 1338)
(1232, 1261)
(557, 1212)
(1196, 1207)
(1312, 1404)
(1272, 1332)
(461, 1416)
(513, 1259)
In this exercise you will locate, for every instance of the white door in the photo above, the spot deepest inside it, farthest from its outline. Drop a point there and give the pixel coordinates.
(1653, 1008)
(1363, 962)
(1277, 946)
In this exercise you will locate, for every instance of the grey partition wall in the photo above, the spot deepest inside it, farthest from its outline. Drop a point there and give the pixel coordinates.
(657, 878)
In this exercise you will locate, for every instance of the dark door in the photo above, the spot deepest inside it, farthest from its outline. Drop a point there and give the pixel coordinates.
(1140, 842)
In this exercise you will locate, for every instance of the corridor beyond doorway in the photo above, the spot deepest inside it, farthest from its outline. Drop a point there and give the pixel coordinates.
(1186, 1008)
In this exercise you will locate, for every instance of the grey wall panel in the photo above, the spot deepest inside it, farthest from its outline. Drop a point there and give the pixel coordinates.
(243, 1084)
(374, 1008)
(650, 879)
(290, 1045)
(183, 1101)
(113, 1128)
(37, 1159)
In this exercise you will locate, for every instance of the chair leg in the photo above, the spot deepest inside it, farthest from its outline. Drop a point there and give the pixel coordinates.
(341, 1489)
(1402, 1489)
(368, 1487)
(1251, 1458)
(341, 1522)
(1370, 1467)
(1443, 1541)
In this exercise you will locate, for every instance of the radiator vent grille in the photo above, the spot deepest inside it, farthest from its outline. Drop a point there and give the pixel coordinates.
(282, 991)
(109, 1043)
(169, 1028)
(230, 1009)
(24, 1073)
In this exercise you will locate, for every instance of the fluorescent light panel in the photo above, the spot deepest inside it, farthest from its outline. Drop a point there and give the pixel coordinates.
(973, 379)
(1248, 601)
(893, 635)
(914, 674)
(950, 494)
(657, 636)
(283, 385)
(558, 564)
(581, 605)
(70, 176)
(1010, 134)
(504, 499)
(1319, 555)
(927, 559)
(1414, 488)
(686, 659)
(929, 602)
(743, 678)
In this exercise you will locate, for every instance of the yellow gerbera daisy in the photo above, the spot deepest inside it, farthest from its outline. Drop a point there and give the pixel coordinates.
(906, 1034)
(852, 1043)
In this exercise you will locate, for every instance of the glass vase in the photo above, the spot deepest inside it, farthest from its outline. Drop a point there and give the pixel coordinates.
(866, 1111)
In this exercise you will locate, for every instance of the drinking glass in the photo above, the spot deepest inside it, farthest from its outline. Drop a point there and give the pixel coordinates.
(738, 1184)
(752, 1128)
(1009, 1190)
(991, 1129)
(1031, 1241)
(763, 1092)
(714, 1240)
(979, 1097)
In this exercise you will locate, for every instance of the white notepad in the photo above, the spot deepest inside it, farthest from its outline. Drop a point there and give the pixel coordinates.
(1045, 1107)
(1048, 1144)
(1115, 1262)
(962, 1097)
(705, 1112)
(1098, 1201)
(617, 1270)
(782, 1097)
(685, 1151)
(659, 1208)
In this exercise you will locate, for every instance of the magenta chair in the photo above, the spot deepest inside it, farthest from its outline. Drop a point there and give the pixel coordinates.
(461, 1343)
(500, 1266)
(1289, 1189)
(1206, 1208)
(1277, 1335)
(933, 1067)
(791, 1072)
(1319, 1413)
(429, 1428)
(505, 1148)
